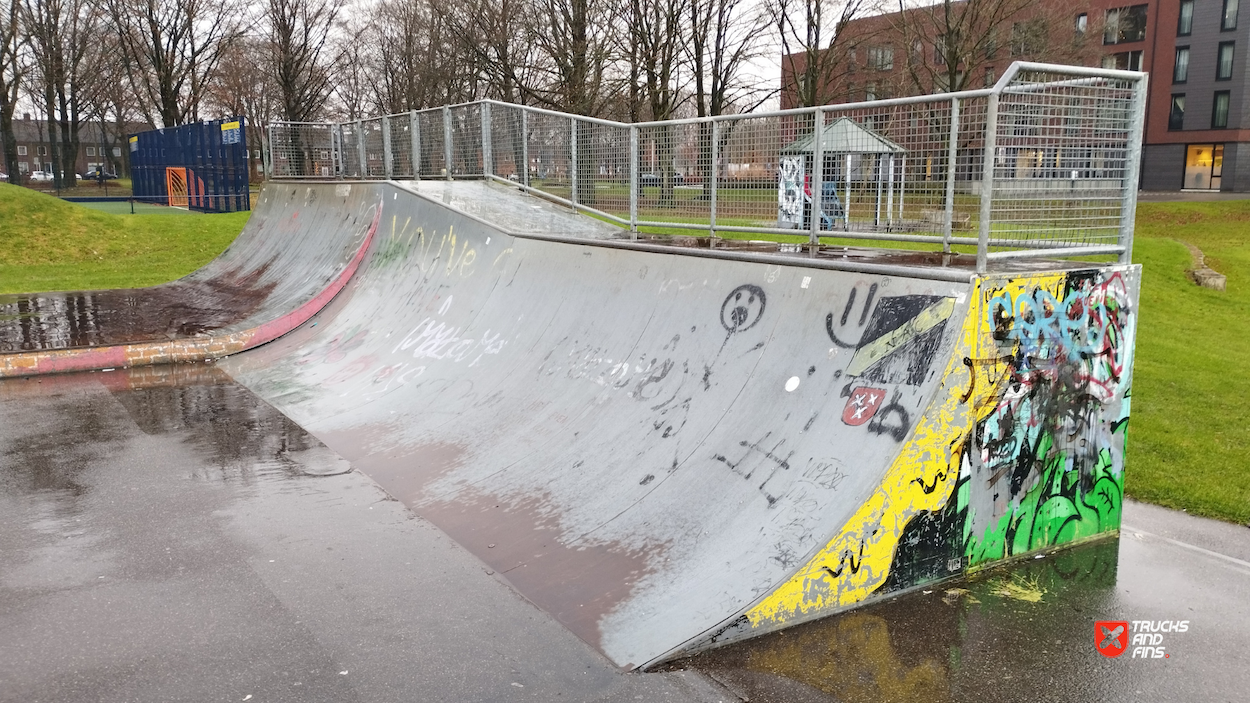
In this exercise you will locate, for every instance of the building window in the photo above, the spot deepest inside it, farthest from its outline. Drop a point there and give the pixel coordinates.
(90, 151)
(1224, 65)
(41, 151)
(1180, 68)
(871, 92)
(1124, 61)
(1229, 18)
(1125, 24)
(1082, 23)
(990, 79)
(991, 47)
(1219, 110)
(939, 50)
(1185, 24)
(21, 151)
(117, 151)
(1176, 118)
(1204, 166)
(881, 58)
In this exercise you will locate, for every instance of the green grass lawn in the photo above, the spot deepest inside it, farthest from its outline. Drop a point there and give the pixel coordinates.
(50, 244)
(1191, 397)
(1190, 429)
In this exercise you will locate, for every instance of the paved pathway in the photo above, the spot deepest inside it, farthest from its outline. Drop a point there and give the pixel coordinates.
(172, 538)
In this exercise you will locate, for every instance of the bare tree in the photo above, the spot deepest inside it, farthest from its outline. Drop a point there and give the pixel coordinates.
(966, 35)
(12, 72)
(298, 32)
(244, 85)
(574, 40)
(495, 41)
(816, 57)
(657, 38)
(171, 50)
(726, 35)
(63, 36)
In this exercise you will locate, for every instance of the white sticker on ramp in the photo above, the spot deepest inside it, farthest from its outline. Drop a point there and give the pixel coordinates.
(792, 384)
(343, 190)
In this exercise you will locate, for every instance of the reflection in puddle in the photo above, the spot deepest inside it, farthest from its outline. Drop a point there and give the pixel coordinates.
(996, 636)
(242, 437)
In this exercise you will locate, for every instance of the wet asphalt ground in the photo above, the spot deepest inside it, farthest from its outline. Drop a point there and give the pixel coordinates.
(166, 536)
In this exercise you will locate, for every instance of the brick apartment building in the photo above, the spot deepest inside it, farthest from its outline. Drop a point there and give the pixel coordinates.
(1197, 131)
(97, 148)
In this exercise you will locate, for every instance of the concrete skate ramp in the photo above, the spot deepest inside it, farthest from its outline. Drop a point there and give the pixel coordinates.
(666, 452)
(296, 252)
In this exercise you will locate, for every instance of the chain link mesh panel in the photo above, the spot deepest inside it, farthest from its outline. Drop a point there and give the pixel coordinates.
(466, 140)
(399, 128)
(350, 144)
(1061, 160)
(302, 150)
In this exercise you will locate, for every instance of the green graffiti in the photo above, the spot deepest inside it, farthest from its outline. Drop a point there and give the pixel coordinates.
(1062, 506)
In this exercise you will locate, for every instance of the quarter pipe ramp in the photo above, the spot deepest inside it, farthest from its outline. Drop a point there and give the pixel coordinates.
(667, 451)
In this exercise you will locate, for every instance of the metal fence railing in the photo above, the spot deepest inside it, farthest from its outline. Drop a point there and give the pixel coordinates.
(1044, 163)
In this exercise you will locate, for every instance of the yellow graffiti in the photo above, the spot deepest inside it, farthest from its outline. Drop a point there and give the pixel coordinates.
(882, 347)
(460, 255)
(921, 478)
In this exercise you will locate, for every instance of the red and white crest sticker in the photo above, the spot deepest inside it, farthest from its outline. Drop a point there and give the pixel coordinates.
(1111, 637)
(862, 405)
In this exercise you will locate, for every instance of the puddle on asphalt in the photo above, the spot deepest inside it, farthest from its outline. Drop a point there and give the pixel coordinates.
(1012, 633)
(183, 308)
(239, 437)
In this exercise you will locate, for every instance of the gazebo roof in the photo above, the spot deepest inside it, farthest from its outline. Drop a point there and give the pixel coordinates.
(845, 136)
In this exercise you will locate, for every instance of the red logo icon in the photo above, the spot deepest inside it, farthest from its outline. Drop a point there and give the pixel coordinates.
(1111, 637)
(862, 405)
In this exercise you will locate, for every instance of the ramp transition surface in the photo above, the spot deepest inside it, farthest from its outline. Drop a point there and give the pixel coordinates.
(666, 452)
(290, 259)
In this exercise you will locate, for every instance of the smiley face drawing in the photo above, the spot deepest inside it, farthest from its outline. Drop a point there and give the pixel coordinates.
(743, 308)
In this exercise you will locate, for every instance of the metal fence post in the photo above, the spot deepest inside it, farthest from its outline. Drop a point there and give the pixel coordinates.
(360, 149)
(818, 172)
(414, 131)
(952, 153)
(987, 181)
(525, 146)
(447, 151)
(713, 173)
(633, 181)
(337, 157)
(1132, 171)
(573, 160)
(488, 151)
(267, 153)
(387, 159)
